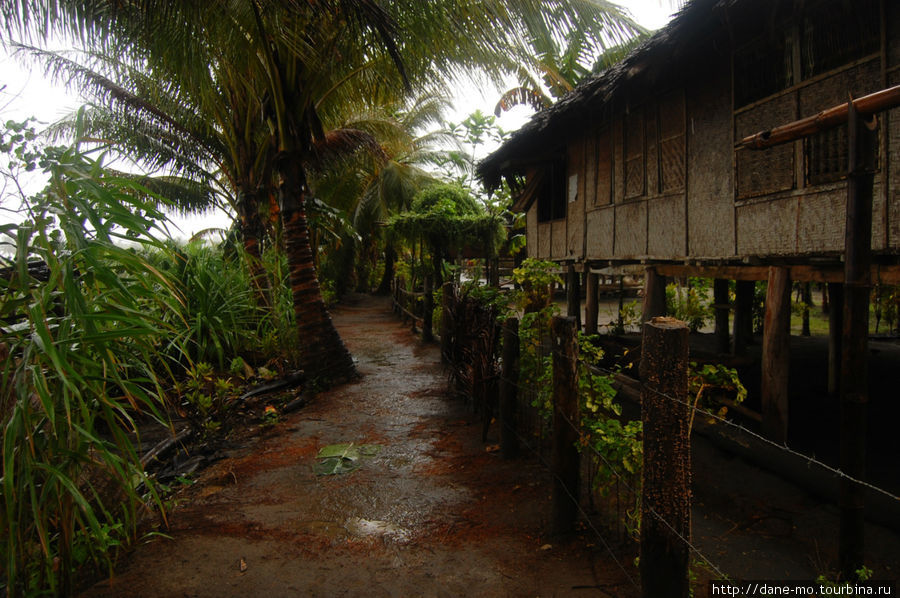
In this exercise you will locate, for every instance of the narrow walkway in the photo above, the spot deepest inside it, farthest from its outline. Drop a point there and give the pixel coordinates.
(431, 514)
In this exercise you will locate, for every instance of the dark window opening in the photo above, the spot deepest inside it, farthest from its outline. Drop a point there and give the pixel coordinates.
(826, 156)
(763, 67)
(837, 32)
(634, 154)
(551, 196)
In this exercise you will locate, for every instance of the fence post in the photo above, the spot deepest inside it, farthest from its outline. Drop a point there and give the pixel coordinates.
(427, 310)
(566, 460)
(509, 379)
(665, 494)
(448, 303)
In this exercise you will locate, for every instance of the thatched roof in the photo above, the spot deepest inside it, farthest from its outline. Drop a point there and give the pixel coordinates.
(695, 29)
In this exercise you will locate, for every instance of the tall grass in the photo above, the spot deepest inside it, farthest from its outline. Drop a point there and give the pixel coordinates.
(217, 317)
(81, 365)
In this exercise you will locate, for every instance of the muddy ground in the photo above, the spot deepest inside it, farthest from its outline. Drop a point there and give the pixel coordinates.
(436, 512)
(432, 514)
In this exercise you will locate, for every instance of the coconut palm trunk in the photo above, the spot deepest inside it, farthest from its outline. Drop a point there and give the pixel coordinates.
(251, 232)
(323, 355)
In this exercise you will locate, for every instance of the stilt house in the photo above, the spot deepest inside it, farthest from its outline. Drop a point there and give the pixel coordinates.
(645, 164)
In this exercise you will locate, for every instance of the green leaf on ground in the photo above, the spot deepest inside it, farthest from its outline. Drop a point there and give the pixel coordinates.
(336, 459)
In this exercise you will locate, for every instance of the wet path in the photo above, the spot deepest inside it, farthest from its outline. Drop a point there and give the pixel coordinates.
(431, 514)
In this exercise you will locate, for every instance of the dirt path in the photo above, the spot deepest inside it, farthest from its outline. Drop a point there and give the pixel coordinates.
(432, 514)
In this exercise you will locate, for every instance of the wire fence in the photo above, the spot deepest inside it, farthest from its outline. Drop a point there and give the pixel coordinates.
(532, 431)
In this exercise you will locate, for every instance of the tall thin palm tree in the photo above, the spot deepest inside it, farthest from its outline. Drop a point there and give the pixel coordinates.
(290, 55)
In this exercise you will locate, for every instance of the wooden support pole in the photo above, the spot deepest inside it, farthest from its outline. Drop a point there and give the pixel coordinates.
(806, 294)
(565, 457)
(573, 295)
(835, 332)
(776, 355)
(665, 491)
(427, 309)
(654, 295)
(720, 301)
(509, 380)
(448, 302)
(743, 316)
(620, 317)
(591, 303)
(862, 138)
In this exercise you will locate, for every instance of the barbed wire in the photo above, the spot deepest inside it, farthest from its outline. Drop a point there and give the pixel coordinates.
(810, 460)
(577, 503)
(554, 352)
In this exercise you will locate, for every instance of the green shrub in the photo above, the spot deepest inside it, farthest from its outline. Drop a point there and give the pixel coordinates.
(82, 363)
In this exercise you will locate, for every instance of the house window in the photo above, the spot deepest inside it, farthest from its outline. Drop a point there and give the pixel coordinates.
(634, 154)
(671, 143)
(826, 156)
(837, 32)
(763, 67)
(551, 195)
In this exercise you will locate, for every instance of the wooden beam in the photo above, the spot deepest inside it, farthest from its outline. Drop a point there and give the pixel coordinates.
(884, 273)
(826, 119)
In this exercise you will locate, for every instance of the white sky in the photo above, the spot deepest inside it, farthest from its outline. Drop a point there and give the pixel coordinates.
(24, 93)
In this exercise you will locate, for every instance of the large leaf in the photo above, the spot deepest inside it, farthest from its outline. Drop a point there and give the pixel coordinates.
(343, 458)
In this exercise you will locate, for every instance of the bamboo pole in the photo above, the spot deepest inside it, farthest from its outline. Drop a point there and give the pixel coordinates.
(826, 119)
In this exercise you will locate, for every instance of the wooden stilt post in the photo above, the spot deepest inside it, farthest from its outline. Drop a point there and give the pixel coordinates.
(509, 380)
(862, 138)
(835, 333)
(448, 302)
(565, 457)
(806, 294)
(654, 295)
(776, 354)
(573, 295)
(665, 494)
(720, 301)
(591, 303)
(427, 310)
(743, 316)
(620, 317)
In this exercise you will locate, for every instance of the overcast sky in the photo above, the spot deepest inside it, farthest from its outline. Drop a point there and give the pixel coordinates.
(24, 93)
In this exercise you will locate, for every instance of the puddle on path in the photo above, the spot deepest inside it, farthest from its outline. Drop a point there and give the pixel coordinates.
(355, 527)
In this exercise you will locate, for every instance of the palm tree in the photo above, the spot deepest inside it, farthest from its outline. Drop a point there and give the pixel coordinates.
(290, 57)
(563, 52)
